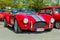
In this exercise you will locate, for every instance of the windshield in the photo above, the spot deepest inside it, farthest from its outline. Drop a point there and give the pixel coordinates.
(27, 11)
(14, 11)
(49, 11)
(57, 10)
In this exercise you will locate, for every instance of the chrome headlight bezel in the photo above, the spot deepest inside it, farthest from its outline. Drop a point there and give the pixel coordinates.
(52, 20)
(25, 20)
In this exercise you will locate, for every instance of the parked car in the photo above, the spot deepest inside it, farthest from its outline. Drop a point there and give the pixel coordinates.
(54, 11)
(2, 14)
(28, 20)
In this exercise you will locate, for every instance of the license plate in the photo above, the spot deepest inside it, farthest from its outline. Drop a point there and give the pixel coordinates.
(40, 29)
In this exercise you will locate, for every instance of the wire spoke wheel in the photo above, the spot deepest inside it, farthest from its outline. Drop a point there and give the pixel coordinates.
(16, 27)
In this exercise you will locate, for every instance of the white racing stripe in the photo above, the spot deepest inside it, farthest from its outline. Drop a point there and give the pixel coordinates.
(38, 18)
(35, 17)
(41, 18)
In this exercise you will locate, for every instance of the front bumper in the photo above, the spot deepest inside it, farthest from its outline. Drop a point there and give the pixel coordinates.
(38, 29)
(30, 26)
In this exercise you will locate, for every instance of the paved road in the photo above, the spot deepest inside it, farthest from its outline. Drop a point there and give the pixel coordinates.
(6, 34)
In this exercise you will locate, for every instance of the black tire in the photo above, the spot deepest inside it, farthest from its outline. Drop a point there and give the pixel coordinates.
(17, 29)
(50, 29)
(5, 23)
(56, 24)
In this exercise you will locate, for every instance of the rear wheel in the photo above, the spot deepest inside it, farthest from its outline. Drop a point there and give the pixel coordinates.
(17, 29)
(5, 23)
(57, 24)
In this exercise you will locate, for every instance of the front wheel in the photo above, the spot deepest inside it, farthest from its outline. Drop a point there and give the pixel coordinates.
(17, 29)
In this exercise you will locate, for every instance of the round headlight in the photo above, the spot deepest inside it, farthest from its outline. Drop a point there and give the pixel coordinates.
(25, 20)
(52, 20)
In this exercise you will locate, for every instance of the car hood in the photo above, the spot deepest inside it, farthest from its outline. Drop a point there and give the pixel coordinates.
(46, 17)
(32, 17)
(2, 13)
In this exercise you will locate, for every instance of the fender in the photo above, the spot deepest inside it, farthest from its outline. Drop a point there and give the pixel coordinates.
(7, 17)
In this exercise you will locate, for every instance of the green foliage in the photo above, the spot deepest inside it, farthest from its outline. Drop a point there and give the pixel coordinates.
(5, 3)
(36, 4)
(25, 3)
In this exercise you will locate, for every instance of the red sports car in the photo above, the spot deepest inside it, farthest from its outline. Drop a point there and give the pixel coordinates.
(2, 12)
(28, 20)
(54, 11)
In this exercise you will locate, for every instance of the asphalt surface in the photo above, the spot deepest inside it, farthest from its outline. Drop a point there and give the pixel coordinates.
(8, 34)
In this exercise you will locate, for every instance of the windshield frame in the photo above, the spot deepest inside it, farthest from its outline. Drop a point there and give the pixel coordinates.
(27, 11)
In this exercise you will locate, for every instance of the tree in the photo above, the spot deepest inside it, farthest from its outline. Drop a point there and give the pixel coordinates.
(36, 4)
(24, 3)
(5, 3)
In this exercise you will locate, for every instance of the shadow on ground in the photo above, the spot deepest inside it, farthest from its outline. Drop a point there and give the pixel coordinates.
(27, 32)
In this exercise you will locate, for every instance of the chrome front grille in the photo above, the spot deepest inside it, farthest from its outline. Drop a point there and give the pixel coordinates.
(40, 24)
